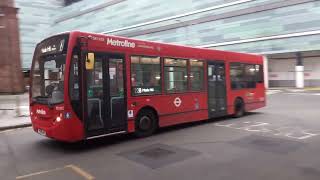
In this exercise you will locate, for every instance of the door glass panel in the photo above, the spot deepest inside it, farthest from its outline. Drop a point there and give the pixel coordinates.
(217, 89)
(211, 91)
(116, 92)
(211, 73)
(116, 77)
(95, 95)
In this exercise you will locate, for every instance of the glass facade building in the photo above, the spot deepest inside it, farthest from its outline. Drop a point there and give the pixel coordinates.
(266, 27)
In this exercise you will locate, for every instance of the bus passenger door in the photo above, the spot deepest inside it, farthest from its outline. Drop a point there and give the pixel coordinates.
(105, 96)
(216, 89)
(115, 93)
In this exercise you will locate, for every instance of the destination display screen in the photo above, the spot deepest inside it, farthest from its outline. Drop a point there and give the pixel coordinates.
(54, 45)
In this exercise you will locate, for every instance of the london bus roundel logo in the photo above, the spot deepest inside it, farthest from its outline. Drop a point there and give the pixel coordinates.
(177, 102)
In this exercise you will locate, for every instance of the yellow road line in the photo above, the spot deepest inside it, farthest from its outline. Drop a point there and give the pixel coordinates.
(81, 172)
(312, 88)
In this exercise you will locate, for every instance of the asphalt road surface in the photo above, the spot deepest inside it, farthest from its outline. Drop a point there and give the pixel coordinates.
(279, 142)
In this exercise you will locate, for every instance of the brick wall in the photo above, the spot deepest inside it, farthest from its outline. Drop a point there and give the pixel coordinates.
(11, 79)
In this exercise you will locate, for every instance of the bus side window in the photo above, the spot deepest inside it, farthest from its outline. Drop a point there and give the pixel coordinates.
(145, 75)
(259, 73)
(196, 75)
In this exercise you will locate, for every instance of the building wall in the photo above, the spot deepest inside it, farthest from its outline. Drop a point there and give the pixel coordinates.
(254, 26)
(282, 72)
(10, 74)
(219, 24)
(312, 71)
(35, 23)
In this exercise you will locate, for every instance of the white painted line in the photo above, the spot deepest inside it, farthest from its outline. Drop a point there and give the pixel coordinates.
(269, 92)
(263, 127)
(39, 173)
(2, 27)
(296, 90)
(306, 94)
(251, 128)
(223, 125)
(76, 169)
(179, 16)
(307, 135)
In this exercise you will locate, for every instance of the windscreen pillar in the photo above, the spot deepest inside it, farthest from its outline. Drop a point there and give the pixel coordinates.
(265, 72)
(299, 71)
(11, 76)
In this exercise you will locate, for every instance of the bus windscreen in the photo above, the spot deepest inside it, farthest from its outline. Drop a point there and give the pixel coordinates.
(48, 71)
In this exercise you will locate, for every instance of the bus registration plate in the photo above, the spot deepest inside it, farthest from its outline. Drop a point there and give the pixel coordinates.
(42, 132)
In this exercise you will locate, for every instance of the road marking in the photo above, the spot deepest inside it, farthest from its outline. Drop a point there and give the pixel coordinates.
(38, 173)
(74, 168)
(296, 90)
(263, 127)
(81, 172)
(313, 94)
(269, 92)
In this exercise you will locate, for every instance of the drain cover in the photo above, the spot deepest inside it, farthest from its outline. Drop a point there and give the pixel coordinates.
(158, 155)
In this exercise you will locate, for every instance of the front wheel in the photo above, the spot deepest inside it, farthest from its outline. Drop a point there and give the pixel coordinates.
(239, 109)
(146, 124)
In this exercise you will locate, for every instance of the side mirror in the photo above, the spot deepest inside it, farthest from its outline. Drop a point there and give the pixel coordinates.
(90, 61)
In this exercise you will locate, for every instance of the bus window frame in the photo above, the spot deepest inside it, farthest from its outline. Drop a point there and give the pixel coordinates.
(161, 74)
(204, 75)
(187, 67)
(244, 63)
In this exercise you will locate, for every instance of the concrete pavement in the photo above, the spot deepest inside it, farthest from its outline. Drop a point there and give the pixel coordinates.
(14, 111)
(279, 142)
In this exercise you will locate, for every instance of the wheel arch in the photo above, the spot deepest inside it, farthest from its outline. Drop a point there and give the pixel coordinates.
(149, 108)
(235, 106)
(240, 98)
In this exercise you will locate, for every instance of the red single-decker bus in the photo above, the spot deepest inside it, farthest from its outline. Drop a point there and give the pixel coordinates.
(87, 85)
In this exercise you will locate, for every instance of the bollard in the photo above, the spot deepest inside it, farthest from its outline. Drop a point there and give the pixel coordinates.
(18, 112)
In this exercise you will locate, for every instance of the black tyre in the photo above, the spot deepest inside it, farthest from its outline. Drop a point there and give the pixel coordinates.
(146, 123)
(239, 109)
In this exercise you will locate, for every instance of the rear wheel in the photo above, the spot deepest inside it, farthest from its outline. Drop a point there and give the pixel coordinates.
(146, 123)
(239, 109)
